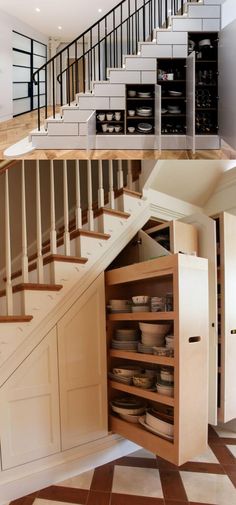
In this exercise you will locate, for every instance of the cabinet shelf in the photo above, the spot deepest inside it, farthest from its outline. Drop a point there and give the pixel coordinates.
(140, 99)
(173, 115)
(144, 358)
(173, 97)
(140, 118)
(142, 316)
(143, 393)
(161, 81)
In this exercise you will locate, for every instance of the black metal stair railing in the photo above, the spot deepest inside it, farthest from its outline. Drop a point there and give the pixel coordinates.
(87, 58)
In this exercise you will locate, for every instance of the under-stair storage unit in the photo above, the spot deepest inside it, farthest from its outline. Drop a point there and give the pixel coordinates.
(185, 278)
(171, 76)
(140, 109)
(176, 237)
(226, 292)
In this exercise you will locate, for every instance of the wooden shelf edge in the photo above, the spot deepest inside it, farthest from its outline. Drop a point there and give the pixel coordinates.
(143, 393)
(142, 316)
(144, 358)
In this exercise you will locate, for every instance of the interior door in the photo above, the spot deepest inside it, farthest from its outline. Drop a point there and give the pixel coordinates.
(190, 96)
(158, 117)
(207, 249)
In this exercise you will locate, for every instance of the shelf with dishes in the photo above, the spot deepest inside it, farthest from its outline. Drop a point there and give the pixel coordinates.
(110, 122)
(171, 76)
(144, 355)
(140, 109)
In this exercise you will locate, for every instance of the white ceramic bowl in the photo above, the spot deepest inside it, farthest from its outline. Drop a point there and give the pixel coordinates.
(117, 129)
(160, 425)
(119, 304)
(161, 351)
(130, 418)
(165, 389)
(131, 129)
(140, 308)
(131, 113)
(140, 299)
(132, 93)
(170, 342)
(152, 340)
(155, 329)
(110, 129)
(167, 375)
(126, 331)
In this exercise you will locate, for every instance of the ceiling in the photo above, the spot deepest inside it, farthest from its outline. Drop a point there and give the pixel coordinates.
(74, 16)
(193, 182)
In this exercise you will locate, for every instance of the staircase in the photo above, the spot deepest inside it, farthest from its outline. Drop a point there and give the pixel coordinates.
(56, 248)
(121, 48)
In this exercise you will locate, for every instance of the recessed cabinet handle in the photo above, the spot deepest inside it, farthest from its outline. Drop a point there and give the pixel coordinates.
(193, 340)
(233, 332)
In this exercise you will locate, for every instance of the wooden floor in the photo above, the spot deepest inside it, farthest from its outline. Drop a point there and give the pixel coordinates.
(15, 129)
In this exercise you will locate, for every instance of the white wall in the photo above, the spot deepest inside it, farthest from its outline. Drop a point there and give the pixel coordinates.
(228, 12)
(7, 24)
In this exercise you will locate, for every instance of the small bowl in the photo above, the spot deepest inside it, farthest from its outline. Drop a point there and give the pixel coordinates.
(132, 93)
(117, 116)
(109, 117)
(165, 389)
(155, 329)
(167, 375)
(101, 117)
(170, 342)
(110, 129)
(141, 299)
(143, 381)
(131, 129)
(131, 113)
(160, 351)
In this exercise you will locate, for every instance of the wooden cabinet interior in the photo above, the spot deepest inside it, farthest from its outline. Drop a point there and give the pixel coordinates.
(171, 76)
(140, 102)
(176, 236)
(187, 278)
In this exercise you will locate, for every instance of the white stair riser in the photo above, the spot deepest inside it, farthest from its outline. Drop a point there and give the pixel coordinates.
(211, 25)
(63, 128)
(125, 77)
(184, 24)
(39, 303)
(89, 247)
(75, 115)
(56, 142)
(62, 272)
(137, 63)
(93, 102)
(180, 51)
(172, 38)
(111, 90)
(204, 11)
(125, 142)
(149, 77)
(153, 50)
(109, 224)
(127, 203)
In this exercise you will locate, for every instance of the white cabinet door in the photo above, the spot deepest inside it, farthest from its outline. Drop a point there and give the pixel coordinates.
(228, 337)
(190, 95)
(207, 249)
(227, 88)
(82, 368)
(29, 407)
(158, 117)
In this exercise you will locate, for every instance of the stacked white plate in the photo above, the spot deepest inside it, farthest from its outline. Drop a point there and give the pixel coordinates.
(174, 109)
(124, 345)
(153, 335)
(144, 127)
(119, 306)
(158, 423)
(144, 111)
(175, 93)
(165, 388)
(126, 334)
(144, 94)
(128, 406)
(170, 342)
(140, 308)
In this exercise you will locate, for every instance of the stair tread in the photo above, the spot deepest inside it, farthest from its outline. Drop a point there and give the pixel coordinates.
(32, 286)
(15, 319)
(65, 259)
(112, 212)
(127, 191)
(92, 234)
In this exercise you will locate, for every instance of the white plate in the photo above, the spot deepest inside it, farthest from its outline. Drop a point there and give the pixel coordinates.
(175, 93)
(131, 418)
(132, 411)
(144, 94)
(149, 428)
(144, 127)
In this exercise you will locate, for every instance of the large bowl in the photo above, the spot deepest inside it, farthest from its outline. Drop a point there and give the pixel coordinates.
(152, 340)
(167, 374)
(143, 381)
(160, 329)
(128, 371)
(155, 420)
(170, 342)
(119, 304)
(141, 299)
(161, 351)
(165, 389)
(140, 308)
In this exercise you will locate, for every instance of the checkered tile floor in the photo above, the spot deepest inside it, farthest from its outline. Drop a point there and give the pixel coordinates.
(143, 479)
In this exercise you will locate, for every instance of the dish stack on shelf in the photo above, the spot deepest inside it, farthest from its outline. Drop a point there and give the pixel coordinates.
(119, 306)
(159, 423)
(140, 103)
(140, 304)
(124, 373)
(125, 339)
(129, 408)
(152, 336)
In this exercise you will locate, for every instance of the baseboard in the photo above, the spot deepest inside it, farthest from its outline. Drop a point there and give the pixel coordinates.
(26, 479)
(5, 118)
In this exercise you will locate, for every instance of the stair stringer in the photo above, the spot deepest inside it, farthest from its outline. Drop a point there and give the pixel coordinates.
(15, 347)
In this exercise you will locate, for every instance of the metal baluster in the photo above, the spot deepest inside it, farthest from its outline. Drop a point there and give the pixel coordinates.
(84, 76)
(61, 80)
(53, 233)
(9, 297)
(105, 48)
(24, 260)
(114, 41)
(111, 188)
(78, 210)
(68, 76)
(166, 13)
(182, 7)
(121, 34)
(120, 175)
(46, 92)
(128, 27)
(154, 14)
(110, 63)
(53, 89)
(136, 27)
(38, 104)
(40, 273)
(99, 54)
(144, 21)
(100, 185)
(76, 68)
(91, 57)
(73, 84)
(90, 197)
(66, 210)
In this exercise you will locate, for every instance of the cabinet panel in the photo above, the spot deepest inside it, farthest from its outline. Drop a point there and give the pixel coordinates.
(207, 249)
(29, 405)
(227, 88)
(190, 93)
(158, 117)
(82, 368)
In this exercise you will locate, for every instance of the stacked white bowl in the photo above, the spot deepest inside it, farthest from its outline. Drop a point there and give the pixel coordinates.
(153, 335)
(117, 306)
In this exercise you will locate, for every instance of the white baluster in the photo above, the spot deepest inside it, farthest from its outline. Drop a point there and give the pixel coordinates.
(90, 197)
(129, 175)
(100, 185)
(40, 275)
(120, 175)
(24, 261)
(9, 298)
(111, 189)
(53, 233)
(66, 210)
(78, 210)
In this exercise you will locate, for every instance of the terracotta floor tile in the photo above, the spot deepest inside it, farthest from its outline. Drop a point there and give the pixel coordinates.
(202, 467)
(25, 500)
(98, 498)
(127, 499)
(137, 462)
(230, 470)
(223, 454)
(172, 485)
(102, 478)
(64, 494)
